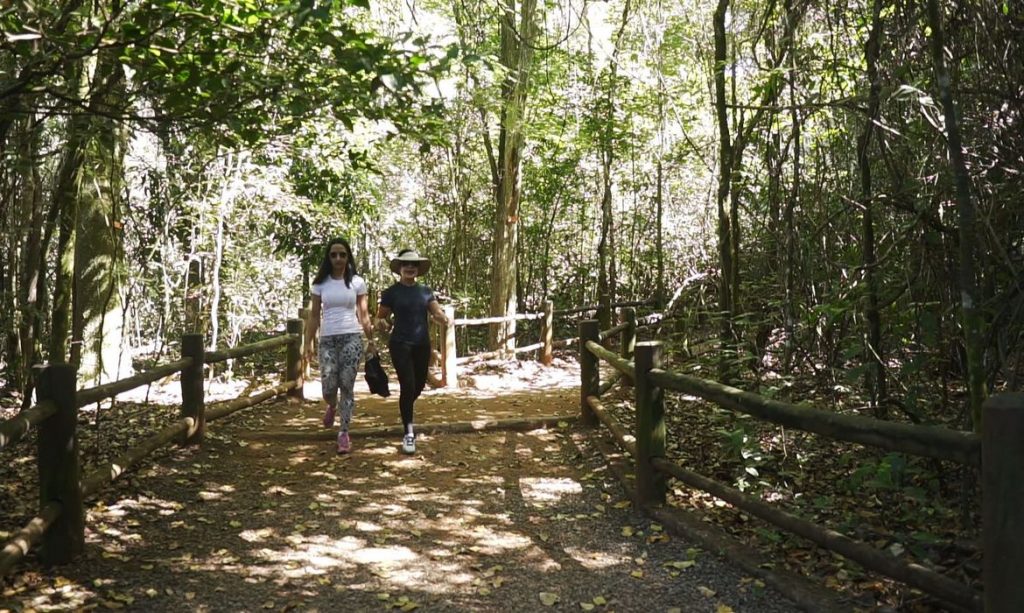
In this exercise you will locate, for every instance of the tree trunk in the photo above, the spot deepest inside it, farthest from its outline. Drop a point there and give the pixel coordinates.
(604, 248)
(516, 57)
(971, 314)
(31, 262)
(659, 248)
(875, 378)
(97, 322)
(789, 257)
(725, 314)
(65, 205)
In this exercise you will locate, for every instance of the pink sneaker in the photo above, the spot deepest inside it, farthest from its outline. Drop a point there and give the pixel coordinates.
(344, 444)
(329, 417)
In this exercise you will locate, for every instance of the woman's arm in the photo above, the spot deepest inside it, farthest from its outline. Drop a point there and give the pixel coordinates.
(312, 325)
(436, 312)
(363, 315)
(383, 318)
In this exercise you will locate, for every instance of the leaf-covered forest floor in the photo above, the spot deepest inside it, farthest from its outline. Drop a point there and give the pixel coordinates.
(913, 508)
(486, 521)
(490, 521)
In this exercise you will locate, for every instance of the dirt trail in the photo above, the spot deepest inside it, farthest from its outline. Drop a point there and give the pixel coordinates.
(496, 521)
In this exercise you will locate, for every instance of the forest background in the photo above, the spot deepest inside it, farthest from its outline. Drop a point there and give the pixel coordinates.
(828, 190)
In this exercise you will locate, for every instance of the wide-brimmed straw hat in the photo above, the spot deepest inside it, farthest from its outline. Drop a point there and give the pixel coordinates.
(410, 256)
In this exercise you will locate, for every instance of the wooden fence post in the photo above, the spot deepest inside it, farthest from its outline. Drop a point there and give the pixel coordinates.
(293, 358)
(193, 402)
(629, 334)
(590, 376)
(628, 339)
(304, 316)
(650, 425)
(59, 470)
(449, 368)
(1002, 486)
(547, 332)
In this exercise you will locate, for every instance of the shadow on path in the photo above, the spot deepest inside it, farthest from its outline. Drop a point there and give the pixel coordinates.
(495, 521)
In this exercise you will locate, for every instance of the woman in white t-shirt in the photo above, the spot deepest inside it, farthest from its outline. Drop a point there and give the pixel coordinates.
(339, 311)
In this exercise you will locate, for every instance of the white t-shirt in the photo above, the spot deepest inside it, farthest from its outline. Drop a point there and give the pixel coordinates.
(338, 305)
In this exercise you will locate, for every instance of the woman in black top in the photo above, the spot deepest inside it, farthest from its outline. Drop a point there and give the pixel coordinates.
(410, 303)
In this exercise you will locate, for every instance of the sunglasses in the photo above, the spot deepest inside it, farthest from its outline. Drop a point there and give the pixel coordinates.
(410, 265)
(338, 254)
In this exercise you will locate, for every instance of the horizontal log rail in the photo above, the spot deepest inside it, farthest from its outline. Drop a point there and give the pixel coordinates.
(614, 305)
(14, 429)
(498, 319)
(450, 362)
(927, 441)
(108, 390)
(19, 545)
(609, 384)
(606, 334)
(227, 407)
(620, 364)
(109, 472)
(1003, 543)
(245, 350)
(626, 441)
(60, 524)
(490, 355)
(869, 557)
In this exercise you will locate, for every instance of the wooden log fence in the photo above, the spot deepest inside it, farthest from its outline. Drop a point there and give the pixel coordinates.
(450, 362)
(59, 527)
(998, 453)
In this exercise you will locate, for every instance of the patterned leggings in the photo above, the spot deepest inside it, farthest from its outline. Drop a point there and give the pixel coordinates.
(339, 361)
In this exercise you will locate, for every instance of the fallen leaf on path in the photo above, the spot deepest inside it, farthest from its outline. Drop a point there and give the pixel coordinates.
(548, 598)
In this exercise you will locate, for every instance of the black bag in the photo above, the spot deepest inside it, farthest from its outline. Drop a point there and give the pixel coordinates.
(375, 376)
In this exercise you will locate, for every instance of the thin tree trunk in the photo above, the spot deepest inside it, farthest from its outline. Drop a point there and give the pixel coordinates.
(725, 314)
(971, 314)
(66, 206)
(789, 301)
(875, 377)
(659, 247)
(31, 261)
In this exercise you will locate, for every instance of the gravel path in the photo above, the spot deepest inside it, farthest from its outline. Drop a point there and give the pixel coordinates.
(499, 521)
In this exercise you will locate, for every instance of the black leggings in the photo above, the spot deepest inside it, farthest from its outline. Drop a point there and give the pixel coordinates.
(410, 362)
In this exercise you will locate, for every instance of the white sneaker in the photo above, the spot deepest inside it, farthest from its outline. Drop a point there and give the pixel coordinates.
(409, 444)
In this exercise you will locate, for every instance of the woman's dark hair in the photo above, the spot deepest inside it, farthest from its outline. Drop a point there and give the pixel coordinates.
(325, 264)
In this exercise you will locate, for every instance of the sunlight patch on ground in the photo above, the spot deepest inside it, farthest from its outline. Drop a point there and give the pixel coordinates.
(546, 489)
(494, 378)
(493, 542)
(380, 450)
(64, 595)
(365, 526)
(593, 560)
(481, 480)
(257, 536)
(279, 490)
(380, 555)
